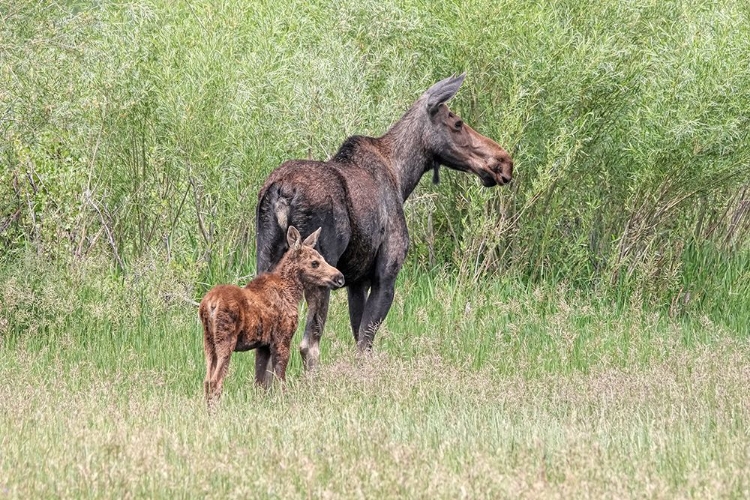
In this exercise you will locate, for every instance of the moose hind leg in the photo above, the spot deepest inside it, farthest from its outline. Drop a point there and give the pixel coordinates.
(377, 307)
(317, 312)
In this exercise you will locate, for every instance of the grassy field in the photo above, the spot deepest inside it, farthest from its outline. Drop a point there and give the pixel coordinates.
(384, 427)
(582, 333)
(512, 391)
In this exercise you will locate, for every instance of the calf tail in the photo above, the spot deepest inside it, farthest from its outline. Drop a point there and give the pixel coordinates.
(207, 313)
(212, 318)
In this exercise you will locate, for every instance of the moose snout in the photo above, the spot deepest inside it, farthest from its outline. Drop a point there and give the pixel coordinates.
(338, 280)
(504, 169)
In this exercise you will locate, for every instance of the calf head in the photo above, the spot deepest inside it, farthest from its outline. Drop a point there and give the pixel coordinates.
(458, 146)
(313, 268)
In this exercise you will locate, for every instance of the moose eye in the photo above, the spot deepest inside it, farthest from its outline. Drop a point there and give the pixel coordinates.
(315, 264)
(458, 125)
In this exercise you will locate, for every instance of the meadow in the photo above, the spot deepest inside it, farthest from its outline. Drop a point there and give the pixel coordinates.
(580, 333)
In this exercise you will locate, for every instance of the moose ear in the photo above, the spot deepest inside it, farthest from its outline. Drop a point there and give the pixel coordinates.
(293, 237)
(442, 91)
(312, 240)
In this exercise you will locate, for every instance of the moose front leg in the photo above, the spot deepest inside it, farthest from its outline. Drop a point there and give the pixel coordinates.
(357, 295)
(376, 308)
(317, 312)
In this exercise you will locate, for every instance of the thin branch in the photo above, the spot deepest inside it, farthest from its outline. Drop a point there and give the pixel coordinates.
(201, 226)
(6, 224)
(107, 230)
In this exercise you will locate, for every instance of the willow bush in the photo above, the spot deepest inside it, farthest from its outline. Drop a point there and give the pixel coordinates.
(143, 130)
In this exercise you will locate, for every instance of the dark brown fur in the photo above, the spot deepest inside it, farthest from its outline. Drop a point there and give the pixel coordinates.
(358, 197)
(263, 315)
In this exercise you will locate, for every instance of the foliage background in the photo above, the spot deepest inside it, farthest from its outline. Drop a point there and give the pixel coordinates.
(144, 130)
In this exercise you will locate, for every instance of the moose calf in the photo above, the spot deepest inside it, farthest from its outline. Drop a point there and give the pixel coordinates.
(263, 315)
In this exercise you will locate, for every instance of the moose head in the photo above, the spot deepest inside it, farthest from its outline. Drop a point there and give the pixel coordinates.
(455, 144)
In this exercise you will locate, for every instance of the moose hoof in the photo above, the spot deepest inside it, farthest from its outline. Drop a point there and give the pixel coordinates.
(310, 356)
(364, 347)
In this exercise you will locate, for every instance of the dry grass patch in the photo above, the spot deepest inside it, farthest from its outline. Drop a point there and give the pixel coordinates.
(385, 427)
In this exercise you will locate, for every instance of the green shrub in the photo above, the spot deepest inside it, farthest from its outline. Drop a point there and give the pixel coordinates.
(144, 130)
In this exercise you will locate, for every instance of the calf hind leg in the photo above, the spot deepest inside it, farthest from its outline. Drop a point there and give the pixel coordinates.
(208, 349)
(223, 355)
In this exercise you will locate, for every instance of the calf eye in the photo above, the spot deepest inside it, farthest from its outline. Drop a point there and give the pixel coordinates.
(458, 125)
(315, 264)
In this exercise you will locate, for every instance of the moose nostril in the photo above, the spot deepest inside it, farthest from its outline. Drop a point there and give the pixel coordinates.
(507, 163)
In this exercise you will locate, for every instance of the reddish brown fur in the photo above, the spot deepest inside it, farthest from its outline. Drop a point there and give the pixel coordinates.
(263, 315)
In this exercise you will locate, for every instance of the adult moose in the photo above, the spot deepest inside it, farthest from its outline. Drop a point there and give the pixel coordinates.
(358, 196)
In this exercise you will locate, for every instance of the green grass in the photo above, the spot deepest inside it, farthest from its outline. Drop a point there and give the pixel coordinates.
(503, 389)
(384, 427)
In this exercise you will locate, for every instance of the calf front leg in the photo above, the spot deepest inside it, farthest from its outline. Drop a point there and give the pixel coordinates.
(317, 312)
(376, 308)
(280, 359)
(262, 358)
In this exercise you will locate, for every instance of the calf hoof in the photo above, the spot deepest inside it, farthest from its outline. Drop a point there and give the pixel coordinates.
(212, 404)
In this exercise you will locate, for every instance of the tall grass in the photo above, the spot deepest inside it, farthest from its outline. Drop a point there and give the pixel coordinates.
(513, 391)
(146, 129)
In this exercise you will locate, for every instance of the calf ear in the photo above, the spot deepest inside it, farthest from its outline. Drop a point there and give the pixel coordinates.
(293, 237)
(442, 91)
(312, 240)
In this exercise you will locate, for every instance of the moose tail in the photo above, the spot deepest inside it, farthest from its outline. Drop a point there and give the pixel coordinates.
(273, 218)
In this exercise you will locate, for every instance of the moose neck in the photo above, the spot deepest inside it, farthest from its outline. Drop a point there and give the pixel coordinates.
(409, 156)
(289, 272)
